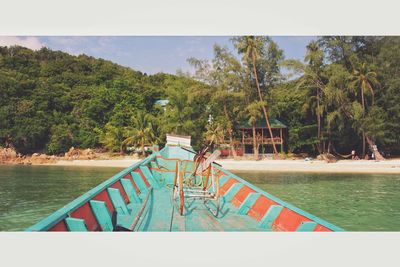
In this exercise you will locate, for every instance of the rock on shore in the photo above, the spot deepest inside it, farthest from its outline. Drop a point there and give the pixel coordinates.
(10, 156)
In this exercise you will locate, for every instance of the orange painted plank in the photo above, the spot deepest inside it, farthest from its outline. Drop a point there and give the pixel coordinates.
(241, 195)
(260, 207)
(227, 185)
(288, 220)
(320, 228)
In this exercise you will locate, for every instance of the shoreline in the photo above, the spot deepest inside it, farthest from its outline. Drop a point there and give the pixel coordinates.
(314, 166)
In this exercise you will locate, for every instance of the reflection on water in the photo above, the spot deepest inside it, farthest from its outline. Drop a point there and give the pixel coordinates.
(357, 202)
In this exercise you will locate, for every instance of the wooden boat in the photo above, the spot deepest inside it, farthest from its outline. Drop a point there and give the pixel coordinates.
(176, 189)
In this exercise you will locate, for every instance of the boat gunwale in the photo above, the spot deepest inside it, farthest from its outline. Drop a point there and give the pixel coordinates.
(282, 203)
(60, 214)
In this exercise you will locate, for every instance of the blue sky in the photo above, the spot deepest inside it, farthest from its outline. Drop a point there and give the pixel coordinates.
(149, 54)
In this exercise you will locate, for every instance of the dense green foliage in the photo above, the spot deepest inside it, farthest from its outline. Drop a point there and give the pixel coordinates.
(349, 93)
(346, 92)
(50, 101)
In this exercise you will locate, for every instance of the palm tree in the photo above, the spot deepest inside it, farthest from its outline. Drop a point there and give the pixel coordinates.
(251, 47)
(140, 133)
(225, 74)
(312, 76)
(111, 137)
(215, 133)
(254, 114)
(364, 79)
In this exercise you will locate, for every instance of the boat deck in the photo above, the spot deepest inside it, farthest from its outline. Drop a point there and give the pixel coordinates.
(196, 218)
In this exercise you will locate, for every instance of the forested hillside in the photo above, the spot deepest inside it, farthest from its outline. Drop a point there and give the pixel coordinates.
(50, 101)
(344, 94)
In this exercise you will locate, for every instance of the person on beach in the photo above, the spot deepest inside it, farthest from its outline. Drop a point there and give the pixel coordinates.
(353, 155)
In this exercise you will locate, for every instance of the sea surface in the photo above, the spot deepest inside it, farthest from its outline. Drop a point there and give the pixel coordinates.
(355, 202)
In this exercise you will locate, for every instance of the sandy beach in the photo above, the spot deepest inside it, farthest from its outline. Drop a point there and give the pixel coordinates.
(342, 166)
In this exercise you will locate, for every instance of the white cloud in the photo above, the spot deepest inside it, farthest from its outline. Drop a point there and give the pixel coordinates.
(77, 45)
(29, 42)
(71, 44)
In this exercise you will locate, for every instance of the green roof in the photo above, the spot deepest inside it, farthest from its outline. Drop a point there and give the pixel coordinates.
(275, 123)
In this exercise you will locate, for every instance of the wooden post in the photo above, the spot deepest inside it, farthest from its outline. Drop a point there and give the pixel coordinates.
(262, 141)
(243, 141)
(281, 140)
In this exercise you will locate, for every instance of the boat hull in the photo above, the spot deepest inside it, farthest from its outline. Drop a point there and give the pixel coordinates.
(139, 198)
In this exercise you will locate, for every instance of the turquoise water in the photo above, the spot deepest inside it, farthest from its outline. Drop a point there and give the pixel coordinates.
(356, 202)
(29, 193)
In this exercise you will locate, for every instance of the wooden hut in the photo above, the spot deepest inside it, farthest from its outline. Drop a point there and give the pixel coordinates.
(263, 137)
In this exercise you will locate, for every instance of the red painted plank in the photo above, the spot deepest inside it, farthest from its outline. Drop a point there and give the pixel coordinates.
(241, 195)
(260, 207)
(103, 196)
(118, 185)
(129, 176)
(227, 185)
(288, 220)
(59, 227)
(86, 213)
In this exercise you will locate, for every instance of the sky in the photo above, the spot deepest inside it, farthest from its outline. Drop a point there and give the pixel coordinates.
(146, 53)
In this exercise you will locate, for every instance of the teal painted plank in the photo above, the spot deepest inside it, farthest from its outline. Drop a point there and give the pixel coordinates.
(154, 164)
(270, 216)
(158, 177)
(232, 192)
(139, 182)
(222, 180)
(76, 225)
(130, 191)
(306, 227)
(248, 203)
(61, 214)
(281, 202)
(117, 201)
(160, 219)
(149, 176)
(102, 215)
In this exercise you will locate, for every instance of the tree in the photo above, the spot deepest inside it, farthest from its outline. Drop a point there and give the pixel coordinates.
(225, 75)
(111, 137)
(313, 79)
(140, 133)
(215, 134)
(364, 79)
(254, 113)
(251, 47)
